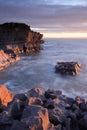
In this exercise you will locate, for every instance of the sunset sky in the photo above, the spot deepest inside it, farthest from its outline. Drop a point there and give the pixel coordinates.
(53, 18)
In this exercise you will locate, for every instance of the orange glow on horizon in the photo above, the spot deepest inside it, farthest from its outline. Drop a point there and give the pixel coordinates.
(65, 35)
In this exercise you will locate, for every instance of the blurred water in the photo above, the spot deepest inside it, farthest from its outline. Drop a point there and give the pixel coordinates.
(39, 70)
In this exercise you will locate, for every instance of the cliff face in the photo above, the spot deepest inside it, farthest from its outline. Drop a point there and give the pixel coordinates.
(19, 37)
(7, 59)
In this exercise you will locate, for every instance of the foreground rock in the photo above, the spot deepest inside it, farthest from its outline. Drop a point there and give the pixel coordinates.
(70, 68)
(39, 110)
(7, 59)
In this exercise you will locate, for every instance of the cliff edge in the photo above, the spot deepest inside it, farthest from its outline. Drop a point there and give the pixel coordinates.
(19, 37)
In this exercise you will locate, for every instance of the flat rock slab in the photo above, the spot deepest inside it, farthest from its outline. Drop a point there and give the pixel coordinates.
(70, 68)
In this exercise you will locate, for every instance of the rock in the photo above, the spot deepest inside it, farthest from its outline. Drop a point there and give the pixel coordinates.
(58, 127)
(5, 95)
(35, 101)
(58, 92)
(35, 92)
(16, 109)
(79, 100)
(67, 124)
(54, 119)
(7, 59)
(50, 104)
(50, 94)
(83, 124)
(35, 117)
(70, 68)
(57, 116)
(21, 97)
(17, 125)
(83, 106)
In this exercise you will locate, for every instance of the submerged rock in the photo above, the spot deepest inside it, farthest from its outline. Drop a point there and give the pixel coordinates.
(70, 68)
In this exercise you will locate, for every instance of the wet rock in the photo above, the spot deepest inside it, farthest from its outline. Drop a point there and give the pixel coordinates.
(70, 68)
(35, 117)
(5, 95)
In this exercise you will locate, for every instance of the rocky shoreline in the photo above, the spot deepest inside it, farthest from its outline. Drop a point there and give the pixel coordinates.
(16, 39)
(41, 110)
(7, 59)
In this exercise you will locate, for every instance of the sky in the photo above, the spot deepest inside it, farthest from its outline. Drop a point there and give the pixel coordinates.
(53, 18)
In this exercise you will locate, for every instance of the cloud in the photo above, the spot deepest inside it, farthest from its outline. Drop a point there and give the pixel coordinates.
(46, 16)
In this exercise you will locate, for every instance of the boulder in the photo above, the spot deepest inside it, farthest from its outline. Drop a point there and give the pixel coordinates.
(17, 125)
(35, 117)
(16, 109)
(35, 92)
(70, 68)
(50, 94)
(5, 95)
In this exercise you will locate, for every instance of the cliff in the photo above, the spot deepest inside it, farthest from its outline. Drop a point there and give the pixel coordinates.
(19, 37)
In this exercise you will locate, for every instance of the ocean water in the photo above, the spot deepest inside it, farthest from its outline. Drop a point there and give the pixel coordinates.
(39, 70)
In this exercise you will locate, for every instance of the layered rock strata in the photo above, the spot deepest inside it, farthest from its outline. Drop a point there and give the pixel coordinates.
(17, 38)
(39, 110)
(7, 59)
(20, 38)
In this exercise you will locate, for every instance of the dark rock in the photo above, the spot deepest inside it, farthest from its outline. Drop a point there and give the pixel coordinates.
(50, 94)
(21, 97)
(16, 109)
(58, 92)
(83, 124)
(50, 104)
(54, 119)
(70, 68)
(35, 117)
(67, 124)
(83, 106)
(58, 127)
(17, 125)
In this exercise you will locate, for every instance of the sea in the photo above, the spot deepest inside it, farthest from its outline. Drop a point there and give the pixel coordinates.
(38, 70)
